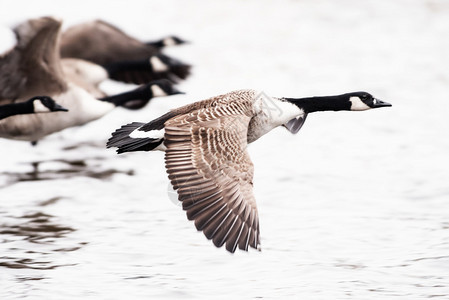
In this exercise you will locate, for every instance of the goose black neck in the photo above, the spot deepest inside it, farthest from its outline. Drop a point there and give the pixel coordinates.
(141, 93)
(157, 44)
(324, 103)
(16, 109)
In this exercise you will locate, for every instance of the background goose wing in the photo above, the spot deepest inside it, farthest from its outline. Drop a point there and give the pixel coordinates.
(33, 66)
(102, 43)
(209, 166)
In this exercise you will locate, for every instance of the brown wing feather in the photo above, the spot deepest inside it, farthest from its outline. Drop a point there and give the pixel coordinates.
(209, 166)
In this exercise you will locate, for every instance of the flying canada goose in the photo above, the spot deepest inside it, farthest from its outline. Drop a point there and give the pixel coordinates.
(39, 104)
(34, 67)
(126, 58)
(206, 158)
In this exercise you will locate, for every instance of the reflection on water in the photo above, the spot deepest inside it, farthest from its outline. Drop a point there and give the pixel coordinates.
(29, 239)
(37, 228)
(62, 169)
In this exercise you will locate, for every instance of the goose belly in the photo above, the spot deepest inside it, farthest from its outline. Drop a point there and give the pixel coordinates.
(21, 127)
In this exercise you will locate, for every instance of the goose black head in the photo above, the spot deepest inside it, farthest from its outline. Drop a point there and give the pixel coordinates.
(46, 104)
(364, 101)
(351, 101)
(163, 87)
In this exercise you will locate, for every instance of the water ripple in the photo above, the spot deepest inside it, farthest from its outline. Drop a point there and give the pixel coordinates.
(62, 169)
(29, 241)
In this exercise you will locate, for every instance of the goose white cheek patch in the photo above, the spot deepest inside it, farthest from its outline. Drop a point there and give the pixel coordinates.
(157, 91)
(39, 107)
(357, 104)
(157, 64)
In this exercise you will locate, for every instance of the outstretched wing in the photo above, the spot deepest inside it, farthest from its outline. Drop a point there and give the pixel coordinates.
(209, 166)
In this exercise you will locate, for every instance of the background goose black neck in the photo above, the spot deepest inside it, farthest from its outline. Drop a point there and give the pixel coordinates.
(142, 93)
(16, 109)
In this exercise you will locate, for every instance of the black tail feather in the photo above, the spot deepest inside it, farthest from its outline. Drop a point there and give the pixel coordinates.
(121, 139)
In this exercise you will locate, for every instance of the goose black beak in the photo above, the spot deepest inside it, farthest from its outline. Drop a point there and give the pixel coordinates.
(184, 42)
(379, 103)
(58, 107)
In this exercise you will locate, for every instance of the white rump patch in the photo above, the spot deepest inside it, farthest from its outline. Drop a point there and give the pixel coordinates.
(157, 64)
(157, 91)
(39, 107)
(152, 134)
(357, 104)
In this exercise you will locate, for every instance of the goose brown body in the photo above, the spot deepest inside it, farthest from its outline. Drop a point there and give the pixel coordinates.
(208, 163)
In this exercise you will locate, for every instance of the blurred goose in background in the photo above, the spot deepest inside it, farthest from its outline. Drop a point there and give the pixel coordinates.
(39, 104)
(34, 67)
(124, 57)
(206, 158)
